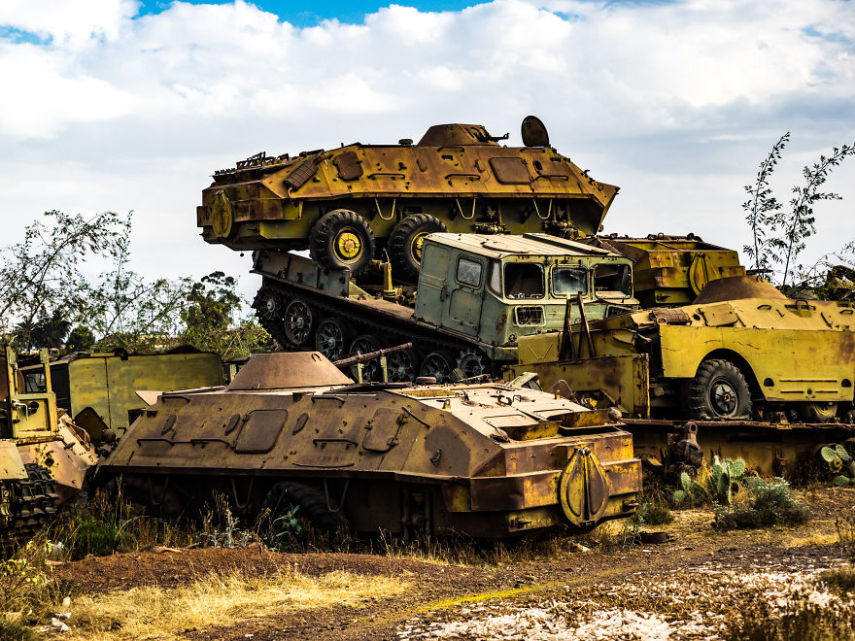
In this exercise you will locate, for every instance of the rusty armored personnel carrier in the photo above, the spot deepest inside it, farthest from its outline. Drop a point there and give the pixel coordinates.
(351, 204)
(292, 431)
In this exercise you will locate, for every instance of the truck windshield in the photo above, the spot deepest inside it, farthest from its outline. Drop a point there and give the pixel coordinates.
(524, 280)
(568, 281)
(614, 280)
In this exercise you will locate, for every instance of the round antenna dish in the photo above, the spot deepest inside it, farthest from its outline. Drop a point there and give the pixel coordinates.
(534, 132)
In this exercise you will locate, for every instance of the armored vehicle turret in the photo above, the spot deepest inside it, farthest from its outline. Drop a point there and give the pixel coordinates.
(349, 204)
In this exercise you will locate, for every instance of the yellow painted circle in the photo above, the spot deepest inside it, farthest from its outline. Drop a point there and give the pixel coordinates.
(348, 246)
(416, 245)
(221, 215)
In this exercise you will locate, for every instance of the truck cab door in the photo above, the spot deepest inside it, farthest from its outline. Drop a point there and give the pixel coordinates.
(466, 281)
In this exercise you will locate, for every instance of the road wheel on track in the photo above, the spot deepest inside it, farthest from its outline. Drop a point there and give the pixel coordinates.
(340, 239)
(371, 370)
(817, 412)
(472, 362)
(268, 304)
(331, 338)
(405, 242)
(402, 366)
(297, 322)
(304, 504)
(718, 391)
(439, 365)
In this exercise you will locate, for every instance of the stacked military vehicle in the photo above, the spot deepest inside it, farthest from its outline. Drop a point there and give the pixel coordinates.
(532, 281)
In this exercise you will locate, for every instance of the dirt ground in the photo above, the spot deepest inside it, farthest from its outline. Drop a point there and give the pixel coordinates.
(683, 589)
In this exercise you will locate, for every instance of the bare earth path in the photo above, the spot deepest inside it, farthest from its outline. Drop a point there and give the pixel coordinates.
(679, 590)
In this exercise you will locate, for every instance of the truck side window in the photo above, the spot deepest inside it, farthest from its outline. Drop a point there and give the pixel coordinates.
(524, 280)
(568, 281)
(469, 272)
(613, 278)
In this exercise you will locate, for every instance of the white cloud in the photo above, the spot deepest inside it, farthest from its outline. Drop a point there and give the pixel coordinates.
(677, 102)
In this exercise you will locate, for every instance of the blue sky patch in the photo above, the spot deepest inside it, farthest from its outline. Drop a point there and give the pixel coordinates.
(307, 14)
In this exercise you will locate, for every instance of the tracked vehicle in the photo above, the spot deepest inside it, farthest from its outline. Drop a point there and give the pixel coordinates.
(44, 459)
(347, 205)
(476, 296)
(292, 431)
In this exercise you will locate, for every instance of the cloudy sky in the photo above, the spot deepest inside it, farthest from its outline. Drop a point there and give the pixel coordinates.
(122, 105)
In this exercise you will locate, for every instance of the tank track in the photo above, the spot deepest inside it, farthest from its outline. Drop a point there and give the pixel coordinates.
(26, 506)
(424, 341)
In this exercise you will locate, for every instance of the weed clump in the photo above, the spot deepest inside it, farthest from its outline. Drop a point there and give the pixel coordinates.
(841, 580)
(13, 631)
(801, 618)
(654, 514)
(769, 504)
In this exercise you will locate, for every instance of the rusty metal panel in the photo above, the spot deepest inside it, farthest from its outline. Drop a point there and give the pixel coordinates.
(260, 431)
(510, 171)
(348, 164)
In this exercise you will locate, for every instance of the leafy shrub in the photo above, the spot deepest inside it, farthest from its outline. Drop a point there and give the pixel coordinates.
(770, 504)
(93, 536)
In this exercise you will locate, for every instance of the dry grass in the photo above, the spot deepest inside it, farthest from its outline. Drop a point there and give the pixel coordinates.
(215, 600)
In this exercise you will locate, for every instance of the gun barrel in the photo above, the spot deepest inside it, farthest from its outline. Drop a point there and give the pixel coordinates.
(370, 356)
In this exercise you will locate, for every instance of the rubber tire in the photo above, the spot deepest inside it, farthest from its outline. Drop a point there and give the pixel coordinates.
(323, 234)
(404, 262)
(312, 504)
(697, 391)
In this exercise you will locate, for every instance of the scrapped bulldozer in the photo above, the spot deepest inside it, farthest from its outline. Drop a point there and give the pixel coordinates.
(44, 458)
(743, 363)
(351, 204)
(293, 432)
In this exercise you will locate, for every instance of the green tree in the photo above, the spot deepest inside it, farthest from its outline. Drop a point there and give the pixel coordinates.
(41, 276)
(212, 319)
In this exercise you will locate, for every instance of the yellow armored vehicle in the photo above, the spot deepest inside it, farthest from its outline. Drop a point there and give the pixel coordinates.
(349, 204)
(741, 353)
(44, 459)
(292, 431)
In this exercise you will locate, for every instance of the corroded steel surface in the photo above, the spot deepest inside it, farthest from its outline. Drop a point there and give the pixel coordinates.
(672, 270)
(486, 459)
(457, 173)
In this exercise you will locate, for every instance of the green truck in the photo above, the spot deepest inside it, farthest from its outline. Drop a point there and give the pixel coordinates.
(476, 296)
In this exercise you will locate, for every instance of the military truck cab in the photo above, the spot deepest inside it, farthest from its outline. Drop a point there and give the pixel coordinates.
(495, 288)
